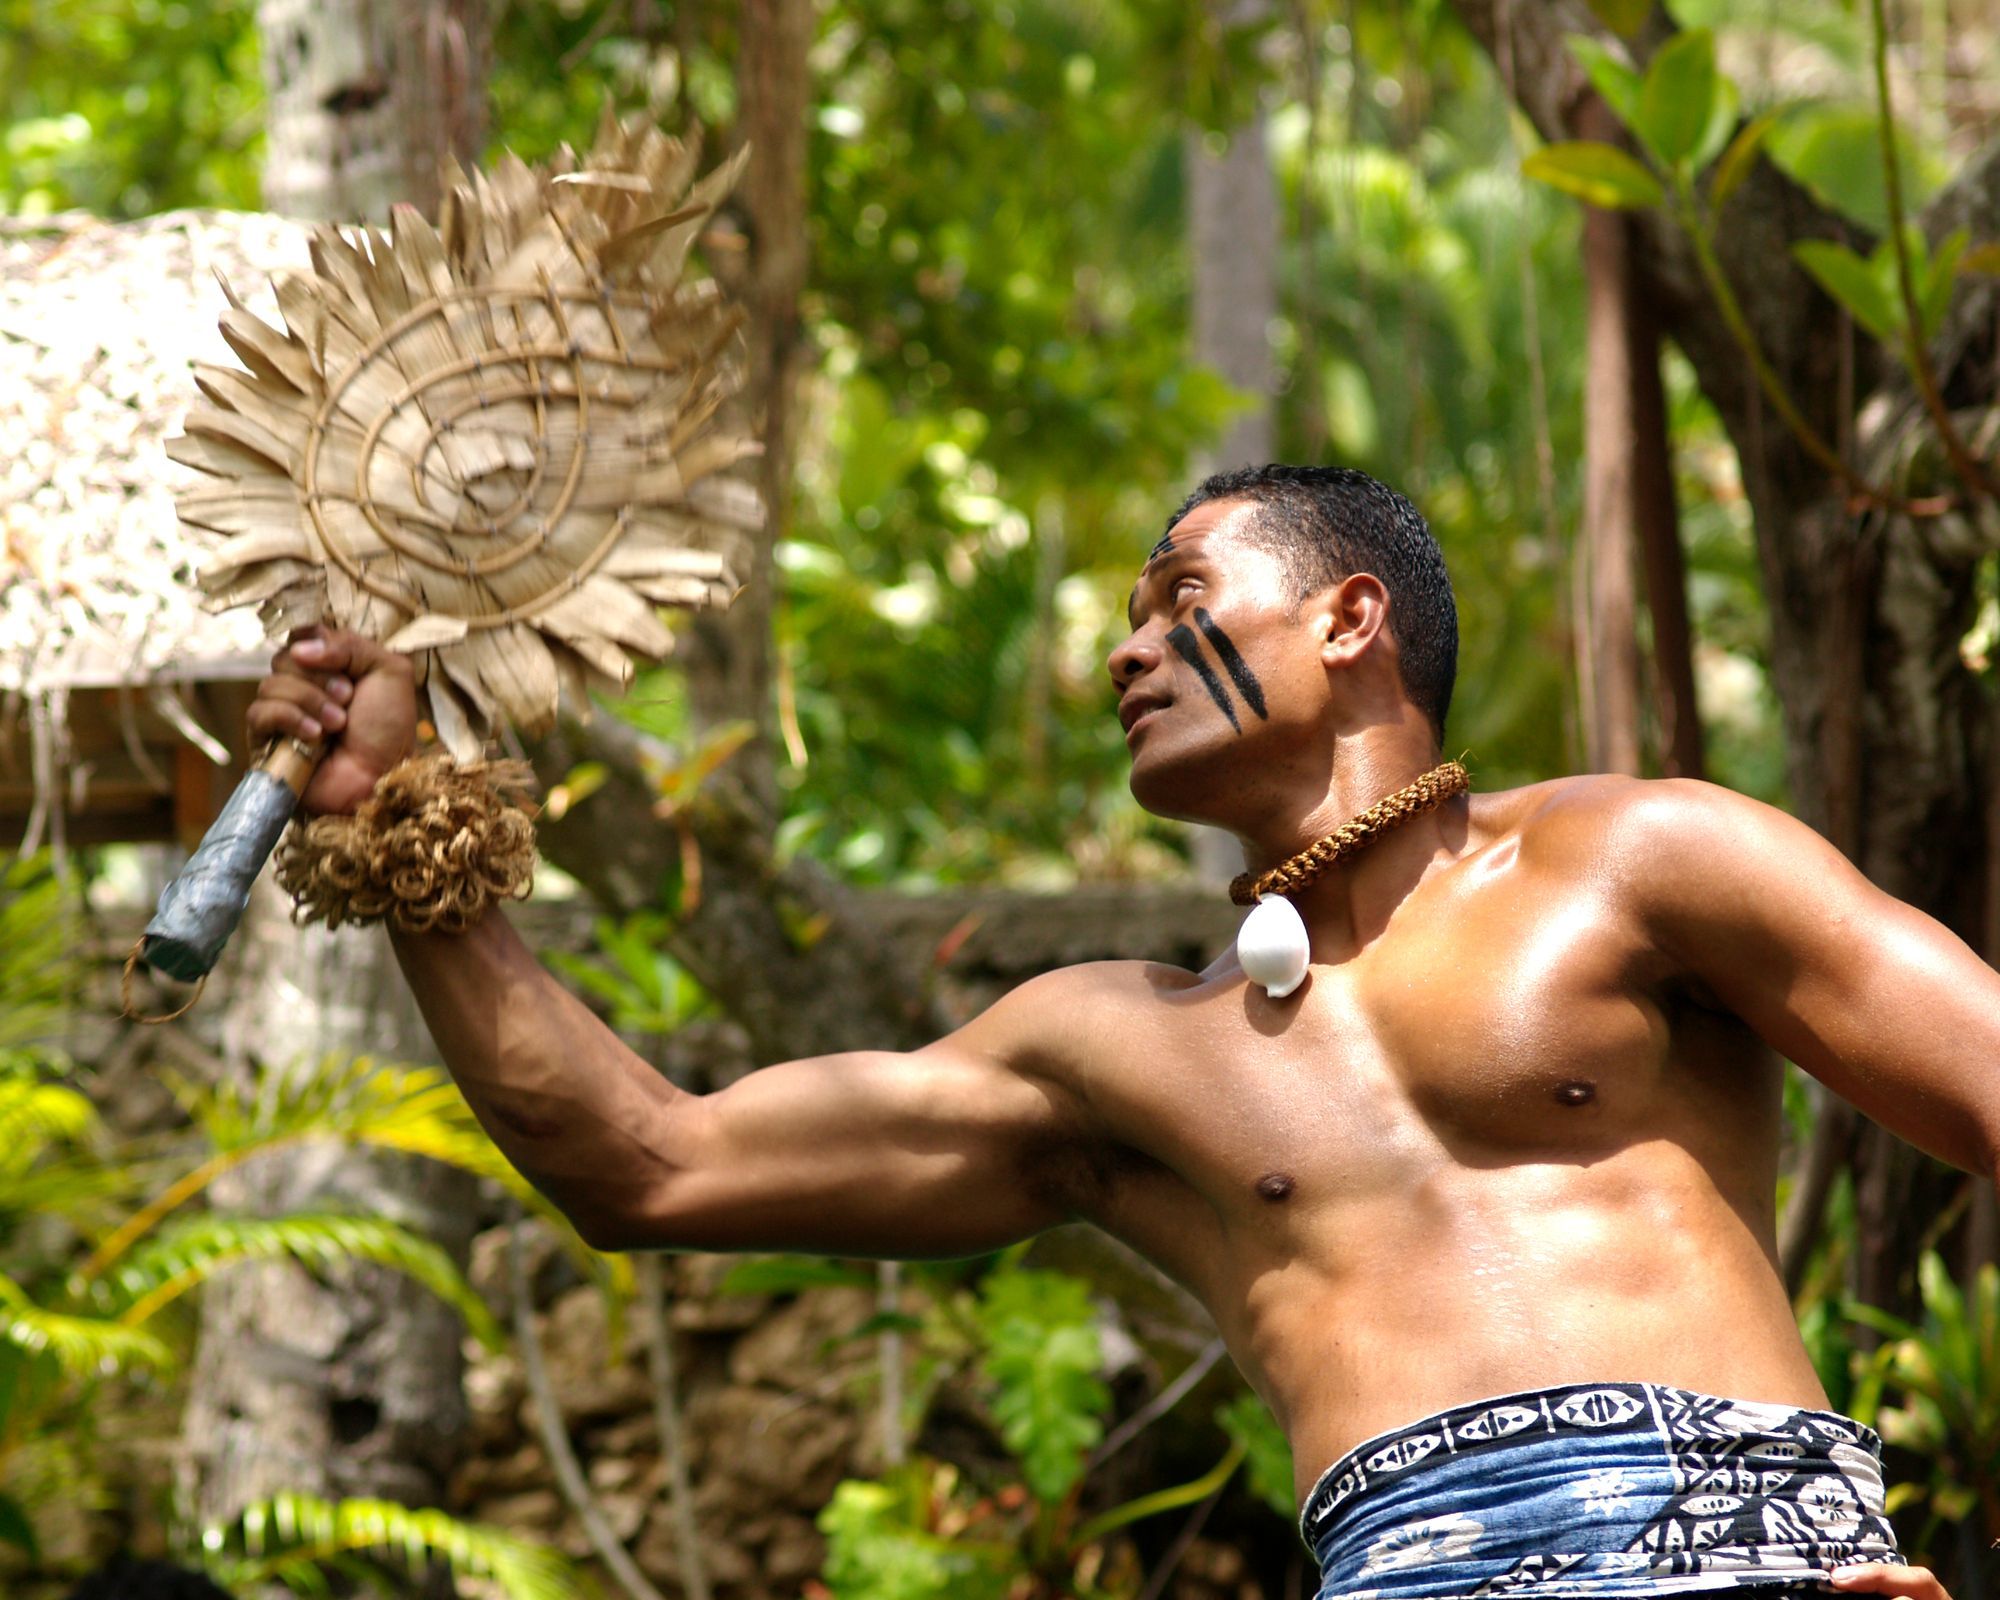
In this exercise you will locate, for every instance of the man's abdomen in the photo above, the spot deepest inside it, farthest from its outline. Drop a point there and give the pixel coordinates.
(1487, 1281)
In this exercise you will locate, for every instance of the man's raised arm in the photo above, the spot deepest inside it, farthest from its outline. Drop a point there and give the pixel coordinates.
(1883, 1004)
(951, 1150)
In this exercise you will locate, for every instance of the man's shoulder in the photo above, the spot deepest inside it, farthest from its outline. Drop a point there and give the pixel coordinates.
(1097, 991)
(1653, 839)
(1606, 810)
(1072, 1022)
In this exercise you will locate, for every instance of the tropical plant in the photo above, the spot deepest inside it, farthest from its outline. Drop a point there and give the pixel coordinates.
(299, 1540)
(99, 1242)
(1683, 114)
(643, 990)
(1933, 1388)
(1028, 1340)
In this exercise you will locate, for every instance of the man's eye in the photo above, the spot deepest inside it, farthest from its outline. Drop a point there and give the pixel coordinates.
(1175, 589)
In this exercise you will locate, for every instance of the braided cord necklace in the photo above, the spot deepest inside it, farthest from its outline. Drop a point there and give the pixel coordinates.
(1272, 945)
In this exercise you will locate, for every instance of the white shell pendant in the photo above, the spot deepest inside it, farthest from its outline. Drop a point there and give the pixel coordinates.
(1272, 947)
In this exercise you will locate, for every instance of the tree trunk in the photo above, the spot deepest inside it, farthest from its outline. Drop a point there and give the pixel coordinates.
(1885, 725)
(347, 1385)
(1232, 245)
(1232, 230)
(1631, 521)
(366, 99)
(728, 659)
(1608, 550)
(1661, 561)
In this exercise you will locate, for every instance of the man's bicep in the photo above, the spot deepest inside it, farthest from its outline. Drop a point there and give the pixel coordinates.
(938, 1152)
(1882, 1003)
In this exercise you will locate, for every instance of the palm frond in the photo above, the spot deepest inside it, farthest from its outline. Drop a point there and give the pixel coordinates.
(39, 965)
(414, 1109)
(340, 1097)
(68, 1189)
(288, 1538)
(85, 1346)
(33, 1118)
(185, 1255)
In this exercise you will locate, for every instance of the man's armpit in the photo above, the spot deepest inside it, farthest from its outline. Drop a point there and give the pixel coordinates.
(1079, 1175)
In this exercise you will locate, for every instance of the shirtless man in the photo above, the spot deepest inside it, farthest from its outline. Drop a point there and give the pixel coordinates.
(1484, 1209)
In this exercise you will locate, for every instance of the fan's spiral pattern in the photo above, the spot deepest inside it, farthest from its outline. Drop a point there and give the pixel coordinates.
(492, 443)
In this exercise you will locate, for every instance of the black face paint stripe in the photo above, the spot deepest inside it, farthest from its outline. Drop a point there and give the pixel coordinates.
(1190, 651)
(1166, 543)
(1238, 669)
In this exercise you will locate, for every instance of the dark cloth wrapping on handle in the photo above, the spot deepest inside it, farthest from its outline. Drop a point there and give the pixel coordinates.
(201, 907)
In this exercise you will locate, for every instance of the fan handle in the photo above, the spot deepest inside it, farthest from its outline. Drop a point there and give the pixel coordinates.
(199, 910)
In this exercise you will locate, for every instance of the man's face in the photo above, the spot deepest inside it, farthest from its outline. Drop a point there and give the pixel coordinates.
(1221, 684)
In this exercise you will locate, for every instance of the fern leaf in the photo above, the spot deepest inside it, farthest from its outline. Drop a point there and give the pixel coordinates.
(187, 1253)
(65, 1189)
(338, 1098)
(39, 965)
(290, 1537)
(84, 1345)
(34, 1116)
(393, 1106)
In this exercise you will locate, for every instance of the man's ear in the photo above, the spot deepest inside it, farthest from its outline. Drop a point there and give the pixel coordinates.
(1350, 616)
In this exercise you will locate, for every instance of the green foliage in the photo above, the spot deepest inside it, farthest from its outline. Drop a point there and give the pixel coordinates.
(1738, 159)
(887, 1541)
(790, 1274)
(1041, 1359)
(387, 1105)
(1029, 1339)
(17, 1530)
(1623, 17)
(125, 107)
(1609, 73)
(1868, 285)
(1008, 416)
(186, 1253)
(1681, 109)
(83, 1346)
(1834, 150)
(1939, 1388)
(643, 989)
(69, 1328)
(293, 1539)
(39, 967)
(1597, 174)
(1686, 109)
(1267, 1453)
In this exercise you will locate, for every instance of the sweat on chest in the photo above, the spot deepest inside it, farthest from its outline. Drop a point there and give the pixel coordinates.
(1368, 1079)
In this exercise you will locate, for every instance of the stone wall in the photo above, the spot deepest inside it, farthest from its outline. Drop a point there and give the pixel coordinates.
(773, 1397)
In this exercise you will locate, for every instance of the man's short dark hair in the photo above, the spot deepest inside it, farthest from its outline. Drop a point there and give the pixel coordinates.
(1328, 523)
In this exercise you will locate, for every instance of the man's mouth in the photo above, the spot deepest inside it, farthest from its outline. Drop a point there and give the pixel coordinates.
(1136, 709)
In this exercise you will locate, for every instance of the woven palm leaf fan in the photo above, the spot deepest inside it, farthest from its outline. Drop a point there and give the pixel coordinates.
(492, 444)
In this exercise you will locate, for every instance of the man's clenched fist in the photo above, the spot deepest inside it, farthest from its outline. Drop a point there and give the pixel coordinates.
(336, 685)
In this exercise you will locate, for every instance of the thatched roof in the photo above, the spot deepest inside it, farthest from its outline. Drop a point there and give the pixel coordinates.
(100, 324)
(100, 620)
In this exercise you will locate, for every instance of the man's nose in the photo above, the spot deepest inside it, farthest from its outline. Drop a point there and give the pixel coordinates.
(1134, 658)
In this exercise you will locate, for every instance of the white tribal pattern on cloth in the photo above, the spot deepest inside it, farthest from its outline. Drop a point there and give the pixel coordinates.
(1599, 1489)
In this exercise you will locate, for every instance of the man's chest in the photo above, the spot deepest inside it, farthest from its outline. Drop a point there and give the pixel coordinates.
(1474, 1031)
